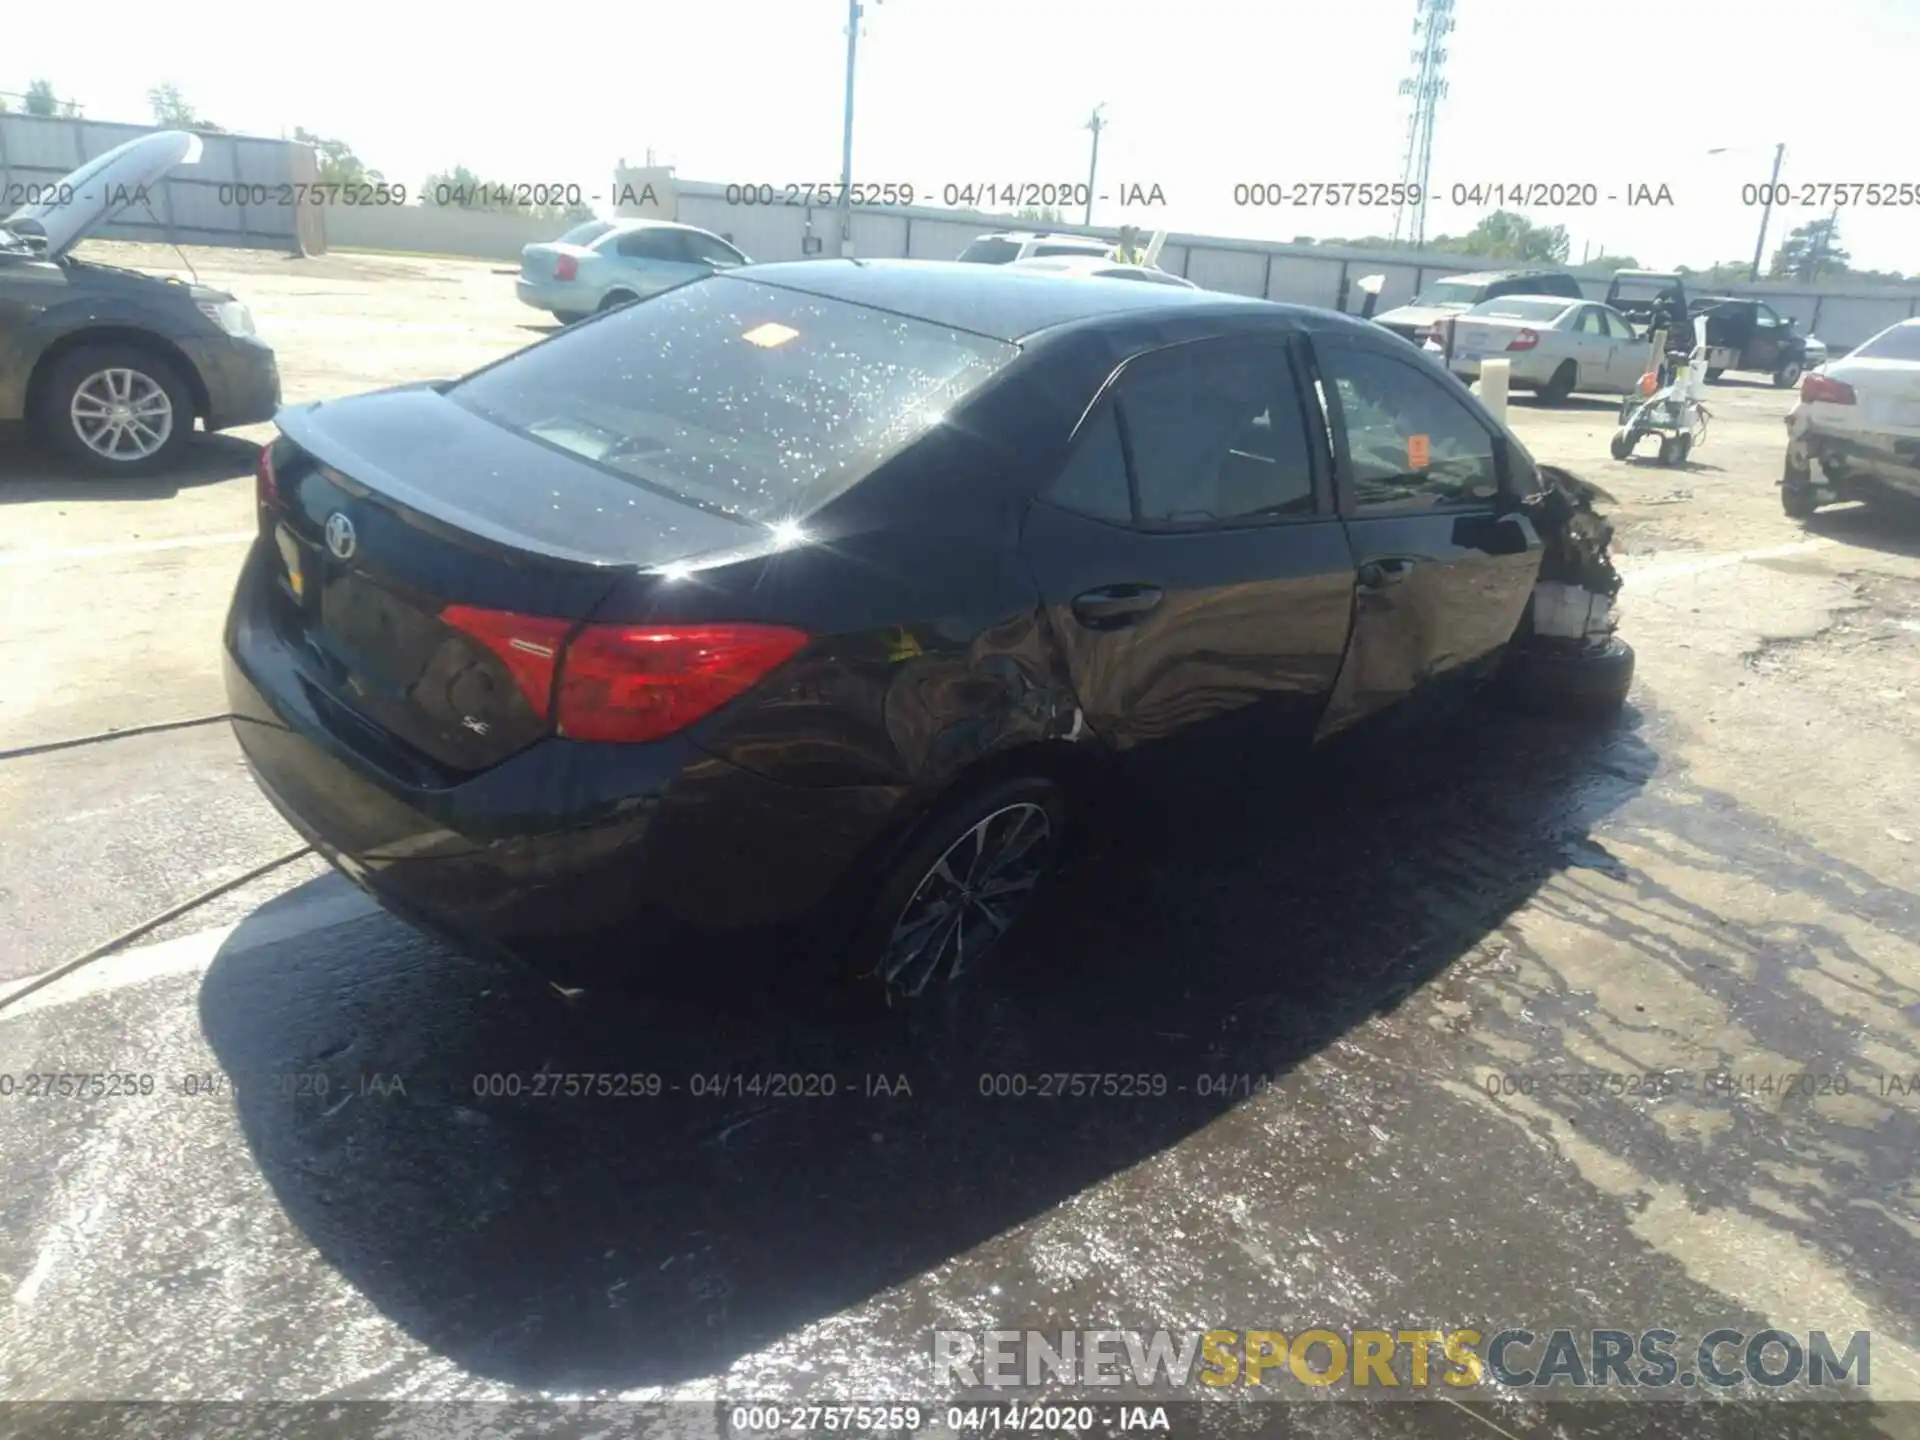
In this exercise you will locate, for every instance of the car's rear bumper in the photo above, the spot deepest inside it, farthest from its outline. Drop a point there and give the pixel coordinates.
(241, 376)
(1523, 369)
(551, 295)
(565, 841)
(1856, 464)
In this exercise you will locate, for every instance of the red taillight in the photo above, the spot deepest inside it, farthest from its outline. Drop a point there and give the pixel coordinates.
(626, 682)
(266, 488)
(631, 683)
(1525, 340)
(1833, 392)
(529, 646)
(566, 267)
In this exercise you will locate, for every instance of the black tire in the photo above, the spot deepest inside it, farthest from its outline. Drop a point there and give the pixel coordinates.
(566, 317)
(1714, 372)
(1543, 677)
(1560, 387)
(1666, 450)
(1797, 495)
(906, 881)
(84, 367)
(1682, 448)
(1621, 446)
(1788, 375)
(616, 300)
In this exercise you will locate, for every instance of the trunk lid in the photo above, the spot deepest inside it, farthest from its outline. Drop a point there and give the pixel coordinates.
(1475, 338)
(542, 261)
(392, 509)
(87, 197)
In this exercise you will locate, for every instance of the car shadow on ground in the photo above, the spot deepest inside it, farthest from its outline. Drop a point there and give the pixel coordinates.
(30, 473)
(590, 1245)
(1592, 403)
(1887, 525)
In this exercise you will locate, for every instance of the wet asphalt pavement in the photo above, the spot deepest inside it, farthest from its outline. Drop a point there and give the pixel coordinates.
(1337, 963)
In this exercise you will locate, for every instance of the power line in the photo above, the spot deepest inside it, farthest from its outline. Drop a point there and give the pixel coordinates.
(1432, 23)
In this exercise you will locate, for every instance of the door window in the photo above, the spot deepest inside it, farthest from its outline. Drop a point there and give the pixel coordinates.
(1409, 443)
(1216, 434)
(1591, 323)
(1764, 317)
(708, 249)
(652, 245)
(1617, 325)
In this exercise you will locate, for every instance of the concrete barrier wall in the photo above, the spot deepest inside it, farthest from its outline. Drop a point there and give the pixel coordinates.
(436, 230)
(1302, 274)
(189, 207)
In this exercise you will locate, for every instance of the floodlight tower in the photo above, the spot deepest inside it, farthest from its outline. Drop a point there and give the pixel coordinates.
(1432, 23)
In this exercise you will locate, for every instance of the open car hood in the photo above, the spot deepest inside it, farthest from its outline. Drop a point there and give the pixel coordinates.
(103, 186)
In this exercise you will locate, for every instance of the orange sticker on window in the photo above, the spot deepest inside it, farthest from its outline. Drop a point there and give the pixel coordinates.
(1417, 452)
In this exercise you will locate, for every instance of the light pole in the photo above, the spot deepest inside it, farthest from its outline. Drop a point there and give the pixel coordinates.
(1096, 124)
(854, 9)
(1766, 206)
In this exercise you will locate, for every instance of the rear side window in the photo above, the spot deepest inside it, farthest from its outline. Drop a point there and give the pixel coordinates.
(1094, 481)
(1216, 434)
(1410, 445)
(741, 398)
(1041, 250)
(710, 249)
(1902, 342)
(651, 245)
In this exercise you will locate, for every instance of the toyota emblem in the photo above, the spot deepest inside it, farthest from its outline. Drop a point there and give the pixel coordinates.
(340, 537)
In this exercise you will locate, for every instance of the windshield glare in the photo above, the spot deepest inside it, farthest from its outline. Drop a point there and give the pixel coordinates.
(1902, 342)
(1511, 309)
(585, 233)
(742, 398)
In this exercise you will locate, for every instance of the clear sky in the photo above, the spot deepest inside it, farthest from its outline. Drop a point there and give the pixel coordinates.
(1200, 95)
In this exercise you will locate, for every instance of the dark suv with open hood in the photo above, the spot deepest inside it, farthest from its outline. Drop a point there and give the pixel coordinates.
(112, 367)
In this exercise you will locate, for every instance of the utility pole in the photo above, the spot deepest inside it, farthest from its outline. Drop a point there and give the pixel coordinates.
(854, 11)
(1432, 23)
(1096, 123)
(1766, 210)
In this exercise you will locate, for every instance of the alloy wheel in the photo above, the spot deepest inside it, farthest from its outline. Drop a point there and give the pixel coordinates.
(121, 414)
(967, 900)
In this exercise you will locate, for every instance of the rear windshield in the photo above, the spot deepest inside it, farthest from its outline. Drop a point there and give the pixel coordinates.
(1644, 288)
(1519, 308)
(990, 251)
(1059, 249)
(585, 233)
(1448, 292)
(741, 398)
(1902, 342)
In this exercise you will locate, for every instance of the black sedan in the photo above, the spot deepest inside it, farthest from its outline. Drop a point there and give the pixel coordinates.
(832, 589)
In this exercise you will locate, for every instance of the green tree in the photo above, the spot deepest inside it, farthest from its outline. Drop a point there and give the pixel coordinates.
(170, 108)
(40, 98)
(338, 164)
(1505, 235)
(1604, 261)
(1810, 252)
(1041, 214)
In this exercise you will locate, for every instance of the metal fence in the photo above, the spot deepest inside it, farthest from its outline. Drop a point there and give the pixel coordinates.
(199, 204)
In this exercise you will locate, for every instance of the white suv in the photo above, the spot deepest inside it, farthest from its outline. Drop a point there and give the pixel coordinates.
(1010, 245)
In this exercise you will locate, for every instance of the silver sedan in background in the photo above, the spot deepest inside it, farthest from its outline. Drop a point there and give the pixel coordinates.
(1554, 345)
(600, 264)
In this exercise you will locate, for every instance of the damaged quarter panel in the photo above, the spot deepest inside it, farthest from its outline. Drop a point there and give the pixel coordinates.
(929, 656)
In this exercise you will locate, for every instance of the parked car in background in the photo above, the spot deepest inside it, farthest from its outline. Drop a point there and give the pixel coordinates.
(1098, 267)
(111, 367)
(601, 264)
(1007, 246)
(1459, 293)
(1748, 334)
(1554, 346)
(1855, 435)
(823, 595)
(1634, 292)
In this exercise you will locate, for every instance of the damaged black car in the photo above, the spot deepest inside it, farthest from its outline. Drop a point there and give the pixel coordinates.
(825, 596)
